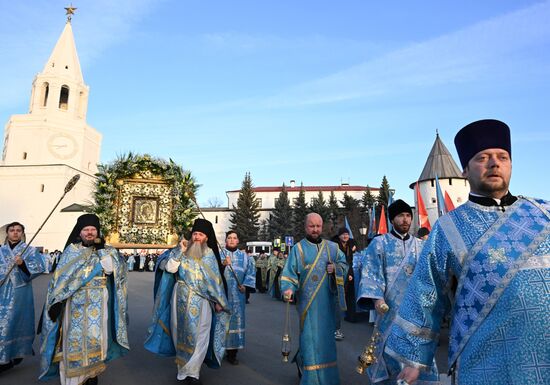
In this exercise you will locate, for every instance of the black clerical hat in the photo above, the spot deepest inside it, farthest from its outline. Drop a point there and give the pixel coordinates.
(203, 226)
(481, 135)
(83, 221)
(398, 207)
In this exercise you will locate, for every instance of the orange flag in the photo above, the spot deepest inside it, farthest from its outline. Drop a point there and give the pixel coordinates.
(422, 212)
(383, 226)
(448, 203)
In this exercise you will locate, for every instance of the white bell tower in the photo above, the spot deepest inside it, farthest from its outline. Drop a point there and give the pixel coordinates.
(44, 148)
(55, 129)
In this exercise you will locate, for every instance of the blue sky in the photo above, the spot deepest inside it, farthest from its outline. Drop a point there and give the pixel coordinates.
(318, 91)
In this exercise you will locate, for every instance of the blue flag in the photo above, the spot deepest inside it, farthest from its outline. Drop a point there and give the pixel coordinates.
(390, 201)
(441, 210)
(372, 223)
(346, 224)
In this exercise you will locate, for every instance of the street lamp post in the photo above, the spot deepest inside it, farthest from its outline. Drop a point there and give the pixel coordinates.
(363, 232)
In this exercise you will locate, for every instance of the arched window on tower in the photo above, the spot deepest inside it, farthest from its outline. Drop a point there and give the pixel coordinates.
(45, 93)
(64, 97)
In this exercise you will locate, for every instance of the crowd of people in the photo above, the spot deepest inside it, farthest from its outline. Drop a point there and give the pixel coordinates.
(484, 268)
(142, 260)
(137, 260)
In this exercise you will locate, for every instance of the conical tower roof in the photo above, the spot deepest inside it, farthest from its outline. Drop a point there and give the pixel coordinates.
(64, 60)
(440, 162)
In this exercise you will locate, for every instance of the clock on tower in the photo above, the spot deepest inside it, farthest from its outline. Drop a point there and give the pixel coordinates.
(62, 146)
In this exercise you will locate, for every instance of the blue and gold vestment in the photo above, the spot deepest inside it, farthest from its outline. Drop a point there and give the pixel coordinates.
(16, 298)
(197, 283)
(245, 270)
(92, 328)
(387, 266)
(305, 274)
(501, 314)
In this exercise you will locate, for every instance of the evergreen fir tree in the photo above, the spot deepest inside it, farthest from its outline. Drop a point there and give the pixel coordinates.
(264, 231)
(245, 217)
(299, 216)
(271, 227)
(351, 209)
(319, 206)
(280, 223)
(368, 199)
(384, 193)
(333, 207)
(333, 215)
(367, 202)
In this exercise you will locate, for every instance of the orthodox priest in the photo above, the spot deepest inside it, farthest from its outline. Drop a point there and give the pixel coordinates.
(272, 266)
(389, 262)
(315, 271)
(16, 297)
(240, 275)
(86, 314)
(191, 314)
(275, 277)
(261, 273)
(348, 247)
(496, 246)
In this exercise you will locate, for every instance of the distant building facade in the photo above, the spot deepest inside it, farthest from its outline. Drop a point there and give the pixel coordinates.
(268, 195)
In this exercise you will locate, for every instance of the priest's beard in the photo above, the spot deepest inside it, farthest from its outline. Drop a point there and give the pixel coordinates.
(196, 250)
(88, 243)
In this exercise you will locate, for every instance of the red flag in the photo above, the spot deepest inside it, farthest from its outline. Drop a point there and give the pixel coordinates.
(423, 220)
(383, 226)
(448, 203)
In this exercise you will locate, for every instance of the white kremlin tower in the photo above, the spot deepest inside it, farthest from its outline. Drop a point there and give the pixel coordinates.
(44, 148)
(440, 163)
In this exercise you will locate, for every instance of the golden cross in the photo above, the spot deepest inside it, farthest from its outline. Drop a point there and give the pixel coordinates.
(70, 11)
(87, 270)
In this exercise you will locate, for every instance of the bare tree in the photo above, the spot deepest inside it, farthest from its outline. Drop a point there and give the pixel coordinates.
(214, 202)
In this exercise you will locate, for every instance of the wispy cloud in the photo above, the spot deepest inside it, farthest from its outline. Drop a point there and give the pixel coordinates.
(487, 49)
(217, 163)
(237, 42)
(502, 49)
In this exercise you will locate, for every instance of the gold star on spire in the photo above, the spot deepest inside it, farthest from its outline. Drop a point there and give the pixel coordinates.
(70, 11)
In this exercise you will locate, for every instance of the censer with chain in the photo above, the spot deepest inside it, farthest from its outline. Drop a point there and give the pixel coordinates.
(285, 341)
(368, 356)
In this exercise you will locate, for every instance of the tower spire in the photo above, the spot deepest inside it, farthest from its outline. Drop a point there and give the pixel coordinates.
(70, 12)
(63, 60)
(60, 87)
(440, 162)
